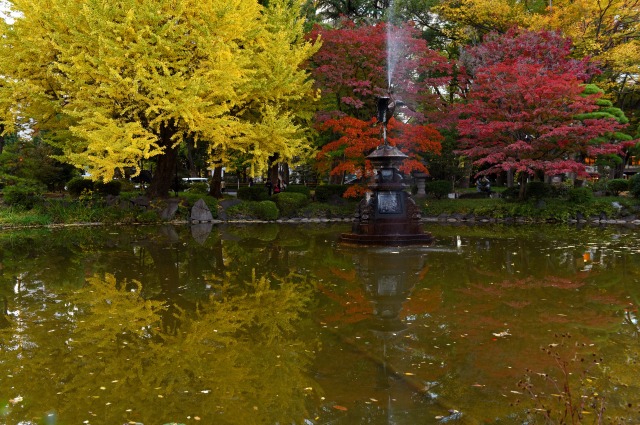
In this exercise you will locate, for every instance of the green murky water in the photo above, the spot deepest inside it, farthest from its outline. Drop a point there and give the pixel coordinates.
(278, 324)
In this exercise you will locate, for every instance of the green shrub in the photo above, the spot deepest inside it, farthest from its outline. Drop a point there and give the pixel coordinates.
(253, 193)
(538, 190)
(473, 195)
(262, 210)
(330, 192)
(438, 188)
(199, 187)
(299, 188)
(511, 193)
(289, 203)
(616, 186)
(634, 185)
(112, 187)
(266, 210)
(77, 185)
(579, 195)
(24, 193)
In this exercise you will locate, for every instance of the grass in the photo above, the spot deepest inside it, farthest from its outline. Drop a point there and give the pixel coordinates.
(545, 209)
(66, 210)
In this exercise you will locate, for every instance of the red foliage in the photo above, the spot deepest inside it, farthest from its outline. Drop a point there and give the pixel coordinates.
(521, 116)
(358, 138)
(548, 49)
(351, 66)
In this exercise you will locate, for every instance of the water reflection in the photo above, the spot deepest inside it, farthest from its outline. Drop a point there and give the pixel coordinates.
(387, 277)
(279, 324)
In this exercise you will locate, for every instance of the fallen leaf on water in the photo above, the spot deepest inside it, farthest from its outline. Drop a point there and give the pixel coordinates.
(337, 407)
(16, 400)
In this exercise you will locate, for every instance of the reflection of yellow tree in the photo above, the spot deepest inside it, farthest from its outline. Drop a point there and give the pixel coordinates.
(237, 359)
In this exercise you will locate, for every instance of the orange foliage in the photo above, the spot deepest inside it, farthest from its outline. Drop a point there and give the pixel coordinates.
(357, 138)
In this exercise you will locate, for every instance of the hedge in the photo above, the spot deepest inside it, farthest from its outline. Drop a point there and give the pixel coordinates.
(299, 188)
(261, 210)
(77, 185)
(438, 188)
(253, 193)
(330, 192)
(289, 203)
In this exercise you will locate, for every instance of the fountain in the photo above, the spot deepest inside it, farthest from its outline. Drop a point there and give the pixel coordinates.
(387, 215)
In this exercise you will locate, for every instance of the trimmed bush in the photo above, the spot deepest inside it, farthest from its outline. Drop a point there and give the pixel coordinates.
(77, 185)
(253, 193)
(24, 193)
(438, 188)
(538, 190)
(330, 192)
(299, 188)
(112, 187)
(289, 203)
(579, 195)
(616, 186)
(266, 210)
(262, 210)
(634, 185)
(511, 193)
(473, 195)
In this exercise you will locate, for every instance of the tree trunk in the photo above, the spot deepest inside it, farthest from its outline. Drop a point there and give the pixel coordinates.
(273, 174)
(465, 181)
(285, 173)
(510, 179)
(165, 177)
(523, 186)
(191, 163)
(215, 187)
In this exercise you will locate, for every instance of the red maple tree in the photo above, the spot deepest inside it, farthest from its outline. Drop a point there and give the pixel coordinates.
(522, 117)
(351, 70)
(550, 49)
(352, 67)
(521, 112)
(357, 138)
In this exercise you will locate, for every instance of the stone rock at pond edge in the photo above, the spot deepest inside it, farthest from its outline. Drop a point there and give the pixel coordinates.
(169, 211)
(141, 202)
(200, 212)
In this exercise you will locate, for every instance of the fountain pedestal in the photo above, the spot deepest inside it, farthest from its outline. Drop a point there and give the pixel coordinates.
(388, 215)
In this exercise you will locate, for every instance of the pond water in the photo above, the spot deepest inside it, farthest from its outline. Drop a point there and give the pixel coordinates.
(279, 324)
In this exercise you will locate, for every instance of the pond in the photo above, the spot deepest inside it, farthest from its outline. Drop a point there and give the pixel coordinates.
(279, 324)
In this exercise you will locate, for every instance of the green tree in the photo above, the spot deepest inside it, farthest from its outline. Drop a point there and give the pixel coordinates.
(32, 159)
(613, 163)
(117, 82)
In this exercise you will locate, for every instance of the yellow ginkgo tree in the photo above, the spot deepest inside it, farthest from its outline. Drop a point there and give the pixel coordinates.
(608, 32)
(114, 82)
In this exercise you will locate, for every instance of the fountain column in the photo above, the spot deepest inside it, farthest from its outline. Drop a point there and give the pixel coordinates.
(388, 215)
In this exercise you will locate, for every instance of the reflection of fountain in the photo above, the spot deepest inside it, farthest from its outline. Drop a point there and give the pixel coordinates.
(388, 216)
(388, 277)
